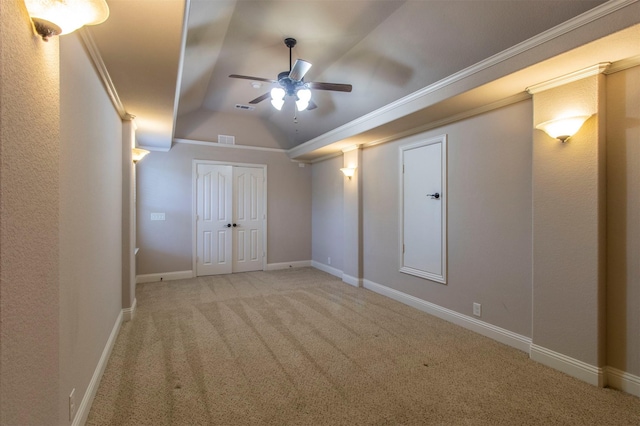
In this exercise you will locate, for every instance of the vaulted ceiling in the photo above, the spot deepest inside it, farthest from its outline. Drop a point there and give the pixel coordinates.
(170, 60)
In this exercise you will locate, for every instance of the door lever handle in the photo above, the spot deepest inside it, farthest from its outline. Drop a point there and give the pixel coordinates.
(434, 196)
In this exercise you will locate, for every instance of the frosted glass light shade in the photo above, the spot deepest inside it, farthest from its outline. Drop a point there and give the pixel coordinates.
(138, 154)
(304, 96)
(57, 17)
(277, 97)
(348, 171)
(563, 128)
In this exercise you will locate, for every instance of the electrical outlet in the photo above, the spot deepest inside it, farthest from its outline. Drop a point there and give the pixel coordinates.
(328, 261)
(72, 404)
(157, 216)
(477, 309)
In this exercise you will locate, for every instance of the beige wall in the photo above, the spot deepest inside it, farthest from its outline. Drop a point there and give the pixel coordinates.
(164, 181)
(327, 217)
(623, 213)
(29, 219)
(90, 220)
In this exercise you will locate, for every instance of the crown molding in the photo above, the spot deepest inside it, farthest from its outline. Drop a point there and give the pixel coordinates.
(569, 78)
(96, 58)
(623, 64)
(386, 113)
(218, 145)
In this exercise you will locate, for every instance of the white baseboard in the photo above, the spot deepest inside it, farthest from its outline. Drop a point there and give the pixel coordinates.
(356, 282)
(164, 276)
(85, 406)
(326, 268)
(287, 265)
(128, 313)
(623, 381)
(507, 337)
(571, 366)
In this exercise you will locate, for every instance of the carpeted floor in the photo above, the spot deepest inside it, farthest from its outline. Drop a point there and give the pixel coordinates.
(299, 347)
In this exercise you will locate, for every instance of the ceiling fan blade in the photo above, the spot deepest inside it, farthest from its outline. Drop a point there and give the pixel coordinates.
(336, 87)
(260, 98)
(299, 69)
(312, 105)
(248, 77)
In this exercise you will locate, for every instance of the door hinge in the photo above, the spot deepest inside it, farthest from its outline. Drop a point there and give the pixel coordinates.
(403, 249)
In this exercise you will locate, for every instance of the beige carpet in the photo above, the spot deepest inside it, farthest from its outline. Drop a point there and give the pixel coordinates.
(300, 347)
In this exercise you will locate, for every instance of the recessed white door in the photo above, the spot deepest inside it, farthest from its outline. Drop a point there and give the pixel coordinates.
(424, 208)
(229, 219)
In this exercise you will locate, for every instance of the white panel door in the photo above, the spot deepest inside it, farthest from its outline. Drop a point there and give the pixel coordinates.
(248, 219)
(423, 231)
(214, 209)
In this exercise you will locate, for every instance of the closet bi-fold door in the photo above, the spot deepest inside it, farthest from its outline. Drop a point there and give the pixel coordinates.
(229, 219)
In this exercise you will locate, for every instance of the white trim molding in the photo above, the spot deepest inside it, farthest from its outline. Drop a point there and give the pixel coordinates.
(623, 381)
(356, 282)
(96, 58)
(221, 145)
(501, 335)
(129, 313)
(569, 78)
(326, 268)
(164, 276)
(571, 366)
(287, 265)
(85, 405)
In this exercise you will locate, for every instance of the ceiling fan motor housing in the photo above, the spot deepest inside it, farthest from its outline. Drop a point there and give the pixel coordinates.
(289, 85)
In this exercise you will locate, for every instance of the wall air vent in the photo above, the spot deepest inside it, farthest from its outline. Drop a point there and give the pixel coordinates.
(245, 107)
(226, 139)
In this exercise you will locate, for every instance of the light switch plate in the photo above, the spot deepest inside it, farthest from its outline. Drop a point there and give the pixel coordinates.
(157, 216)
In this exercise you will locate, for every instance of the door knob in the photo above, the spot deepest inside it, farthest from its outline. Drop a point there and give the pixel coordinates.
(234, 225)
(228, 225)
(434, 196)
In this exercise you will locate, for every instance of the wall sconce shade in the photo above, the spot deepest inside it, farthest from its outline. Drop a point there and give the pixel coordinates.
(563, 128)
(58, 17)
(348, 171)
(138, 154)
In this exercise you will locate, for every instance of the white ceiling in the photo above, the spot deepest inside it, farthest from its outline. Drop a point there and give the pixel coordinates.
(172, 73)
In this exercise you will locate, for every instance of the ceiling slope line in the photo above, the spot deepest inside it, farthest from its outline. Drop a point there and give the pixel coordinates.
(332, 136)
(101, 68)
(218, 145)
(183, 47)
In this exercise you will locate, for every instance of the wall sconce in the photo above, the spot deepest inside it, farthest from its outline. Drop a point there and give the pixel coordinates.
(348, 171)
(563, 128)
(138, 154)
(57, 17)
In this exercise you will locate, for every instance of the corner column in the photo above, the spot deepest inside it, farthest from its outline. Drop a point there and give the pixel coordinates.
(569, 224)
(352, 267)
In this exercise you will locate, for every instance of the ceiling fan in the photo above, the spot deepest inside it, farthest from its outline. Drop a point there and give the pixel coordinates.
(291, 83)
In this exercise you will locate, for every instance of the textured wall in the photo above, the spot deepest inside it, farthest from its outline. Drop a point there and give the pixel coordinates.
(29, 150)
(568, 226)
(90, 220)
(623, 217)
(489, 218)
(327, 218)
(164, 186)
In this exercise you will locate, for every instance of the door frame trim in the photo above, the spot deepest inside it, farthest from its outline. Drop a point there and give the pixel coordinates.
(407, 144)
(194, 196)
